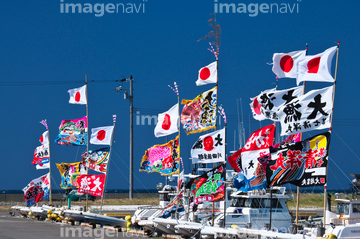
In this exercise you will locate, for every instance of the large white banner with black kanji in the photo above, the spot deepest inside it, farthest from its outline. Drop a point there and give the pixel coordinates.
(209, 148)
(308, 112)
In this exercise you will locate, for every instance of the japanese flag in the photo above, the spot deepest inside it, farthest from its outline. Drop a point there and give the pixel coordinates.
(44, 138)
(101, 135)
(78, 95)
(43, 166)
(167, 122)
(207, 74)
(285, 64)
(316, 67)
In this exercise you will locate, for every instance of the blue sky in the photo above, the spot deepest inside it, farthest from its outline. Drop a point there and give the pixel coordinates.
(44, 53)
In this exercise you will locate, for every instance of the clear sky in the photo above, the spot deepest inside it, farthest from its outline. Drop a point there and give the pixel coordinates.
(45, 51)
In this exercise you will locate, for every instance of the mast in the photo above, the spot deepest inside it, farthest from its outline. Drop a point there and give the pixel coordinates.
(298, 188)
(332, 116)
(178, 122)
(87, 138)
(108, 165)
(50, 196)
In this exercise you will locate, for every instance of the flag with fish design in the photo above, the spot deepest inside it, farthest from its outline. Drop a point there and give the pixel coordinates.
(69, 174)
(163, 159)
(303, 163)
(199, 114)
(241, 182)
(175, 206)
(209, 148)
(97, 160)
(72, 132)
(208, 187)
(252, 174)
(308, 112)
(267, 104)
(37, 190)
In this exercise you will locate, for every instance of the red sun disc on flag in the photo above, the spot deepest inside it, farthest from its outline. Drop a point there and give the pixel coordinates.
(166, 123)
(286, 63)
(208, 143)
(41, 139)
(101, 135)
(257, 107)
(204, 73)
(313, 65)
(77, 96)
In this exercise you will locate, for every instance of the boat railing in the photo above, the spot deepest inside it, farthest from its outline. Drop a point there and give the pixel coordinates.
(345, 221)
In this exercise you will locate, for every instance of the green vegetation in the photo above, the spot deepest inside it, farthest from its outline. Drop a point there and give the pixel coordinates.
(310, 200)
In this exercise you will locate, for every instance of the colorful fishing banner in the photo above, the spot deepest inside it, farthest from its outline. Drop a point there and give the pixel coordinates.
(209, 187)
(69, 174)
(92, 184)
(266, 105)
(97, 160)
(302, 164)
(41, 155)
(259, 181)
(163, 159)
(209, 148)
(199, 114)
(72, 132)
(175, 206)
(37, 190)
(308, 112)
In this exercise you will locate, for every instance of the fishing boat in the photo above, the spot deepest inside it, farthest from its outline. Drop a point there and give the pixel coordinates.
(94, 218)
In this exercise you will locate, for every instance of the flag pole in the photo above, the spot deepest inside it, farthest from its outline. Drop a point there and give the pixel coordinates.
(330, 129)
(108, 165)
(298, 188)
(87, 138)
(217, 103)
(50, 196)
(225, 193)
(178, 179)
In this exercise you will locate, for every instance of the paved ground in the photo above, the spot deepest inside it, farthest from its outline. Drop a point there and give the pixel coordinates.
(17, 228)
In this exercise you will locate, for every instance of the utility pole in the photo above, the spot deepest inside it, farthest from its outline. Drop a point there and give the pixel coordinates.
(130, 97)
(131, 180)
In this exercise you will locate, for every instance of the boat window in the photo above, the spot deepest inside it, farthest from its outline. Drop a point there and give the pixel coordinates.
(164, 197)
(342, 208)
(274, 203)
(238, 202)
(356, 208)
(255, 203)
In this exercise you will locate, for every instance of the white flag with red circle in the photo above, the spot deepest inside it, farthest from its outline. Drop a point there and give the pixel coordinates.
(44, 138)
(285, 64)
(207, 74)
(101, 135)
(78, 95)
(316, 67)
(209, 148)
(167, 122)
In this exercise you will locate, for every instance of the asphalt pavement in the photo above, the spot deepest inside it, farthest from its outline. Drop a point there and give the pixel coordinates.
(17, 227)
